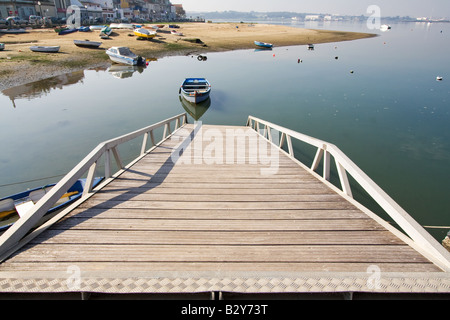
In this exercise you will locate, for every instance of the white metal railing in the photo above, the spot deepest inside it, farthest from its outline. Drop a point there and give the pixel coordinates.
(89, 164)
(344, 165)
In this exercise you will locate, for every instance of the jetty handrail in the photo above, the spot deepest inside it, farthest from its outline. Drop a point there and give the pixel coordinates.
(89, 164)
(344, 165)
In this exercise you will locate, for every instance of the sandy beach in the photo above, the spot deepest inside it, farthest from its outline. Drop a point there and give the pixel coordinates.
(19, 65)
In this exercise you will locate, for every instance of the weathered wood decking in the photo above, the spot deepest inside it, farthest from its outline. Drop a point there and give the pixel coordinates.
(197, 225)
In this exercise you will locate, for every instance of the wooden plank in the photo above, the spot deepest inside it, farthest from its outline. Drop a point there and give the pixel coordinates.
(185, 205)
(216, 198)
(263, 214)
(229, 253)
(76, 236)
(217, 224)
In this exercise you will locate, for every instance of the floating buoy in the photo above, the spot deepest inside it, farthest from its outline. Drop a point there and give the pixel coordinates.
(336, 58)
(351, 71)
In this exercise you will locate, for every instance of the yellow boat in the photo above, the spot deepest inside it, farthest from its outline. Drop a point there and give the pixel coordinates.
(144, 33)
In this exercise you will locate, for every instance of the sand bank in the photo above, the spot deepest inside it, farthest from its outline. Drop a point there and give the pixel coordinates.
(18, 65)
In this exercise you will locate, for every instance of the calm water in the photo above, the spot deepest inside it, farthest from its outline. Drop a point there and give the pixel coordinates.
(390, 116)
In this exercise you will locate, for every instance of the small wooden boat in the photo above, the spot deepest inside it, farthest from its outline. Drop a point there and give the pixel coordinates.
(125, 26)
(17, 205)
(144, 33)
(124, 55)
(97, 28)
(105, 31)
(195, 90)
(87, 43)
(13, 31)
(2, 46)
(84, 29)
(67, 31)
(177, 33)
(263, 44)
(174, 26)
(47, 49)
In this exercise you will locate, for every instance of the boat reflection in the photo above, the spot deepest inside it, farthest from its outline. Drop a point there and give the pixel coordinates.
(196, 111)
(120, 71)
(36, 89)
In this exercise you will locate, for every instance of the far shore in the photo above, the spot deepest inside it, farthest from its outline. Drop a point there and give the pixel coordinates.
(19, 65)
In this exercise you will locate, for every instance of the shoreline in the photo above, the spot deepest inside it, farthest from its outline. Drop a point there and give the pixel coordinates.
(18, 65)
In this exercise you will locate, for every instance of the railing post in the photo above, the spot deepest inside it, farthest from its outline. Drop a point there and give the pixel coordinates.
(90, 179)
(326, 165)
(317, 159)
(343, 179)
(144, 143)
(107, 164)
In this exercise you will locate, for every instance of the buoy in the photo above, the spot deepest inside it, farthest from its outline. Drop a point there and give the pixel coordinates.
(351, 71)
(336, 58)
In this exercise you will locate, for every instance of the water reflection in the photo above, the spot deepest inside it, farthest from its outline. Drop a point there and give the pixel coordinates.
(196, 111)
(39, 88)
(124, 71)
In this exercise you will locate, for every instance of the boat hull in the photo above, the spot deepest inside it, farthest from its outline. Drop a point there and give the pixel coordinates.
(144, 33)
(195, 90)
(8, 216)
(67, 31)
(263, 44)
(87, 44)
(46, 49)
(128, 59)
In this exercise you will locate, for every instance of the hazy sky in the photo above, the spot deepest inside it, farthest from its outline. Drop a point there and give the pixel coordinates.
(413, 8)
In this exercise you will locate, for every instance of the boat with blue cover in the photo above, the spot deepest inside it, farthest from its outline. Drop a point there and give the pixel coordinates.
(195, 90)
(263, 44)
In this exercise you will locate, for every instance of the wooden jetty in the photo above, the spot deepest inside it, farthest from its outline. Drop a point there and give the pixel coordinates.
(223, 212)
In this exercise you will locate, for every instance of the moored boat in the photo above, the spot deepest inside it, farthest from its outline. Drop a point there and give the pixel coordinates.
(87, 43)
(175, 32)
(67, 31)
(106, 31)
(195, 90)
(263, 44)
(17, 205)
(98, 28)
(144, 33)
(125, 56)
(2, 46)
(48, 49)
(84, 29)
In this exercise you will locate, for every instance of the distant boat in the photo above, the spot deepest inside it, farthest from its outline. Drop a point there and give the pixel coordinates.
(263, 44)
(144, 33)
(67, 31)
(310, 46)
(174, 26)
(125, 56)
(87, 43)
(84, 29)
(48, 49)
(96, 28)
(105, 31)
(13, 31)
(195, 90)
(385, 27)
(17, 205)
(125, 26)
(177, 33)
(2, 46)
